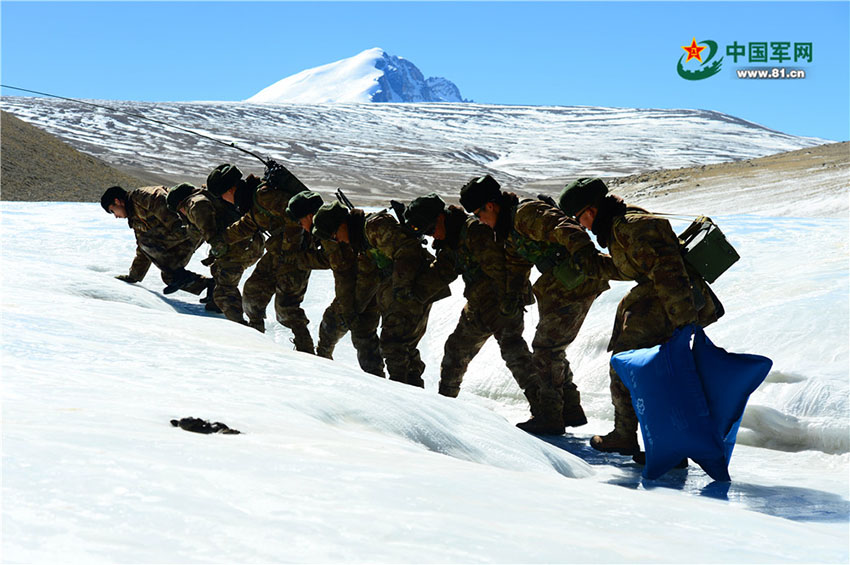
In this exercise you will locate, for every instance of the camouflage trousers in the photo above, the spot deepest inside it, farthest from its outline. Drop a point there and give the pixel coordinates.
(288, 284)
(473, 329)
(364, 336)
(168, 261)
(561, 315)
(402, 327)
(226, 292)
(642, 322)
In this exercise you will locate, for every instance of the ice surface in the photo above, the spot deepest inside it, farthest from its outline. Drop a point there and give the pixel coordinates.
(335, 465)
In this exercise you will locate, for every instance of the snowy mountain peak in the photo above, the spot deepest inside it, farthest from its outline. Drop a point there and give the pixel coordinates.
(370, 76)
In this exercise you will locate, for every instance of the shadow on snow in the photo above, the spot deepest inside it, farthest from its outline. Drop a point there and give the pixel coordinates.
(792, 503)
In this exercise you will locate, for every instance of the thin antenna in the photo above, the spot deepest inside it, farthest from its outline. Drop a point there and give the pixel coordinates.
(344, 199)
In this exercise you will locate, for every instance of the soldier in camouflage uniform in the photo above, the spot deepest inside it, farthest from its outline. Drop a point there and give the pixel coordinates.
(291, 254)
(161, 238)
(211, 216)
(533, 232)
(406, 289)
(668, 295)
(469, 248)
(355, 275)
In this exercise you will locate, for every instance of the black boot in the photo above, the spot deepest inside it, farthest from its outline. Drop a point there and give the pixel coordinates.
(531, 394)
(574, 416)
(302, 340)
(448, 390)
(543, 425)
(573, 412)
(624, 443)
(209, 295)
(180, 278)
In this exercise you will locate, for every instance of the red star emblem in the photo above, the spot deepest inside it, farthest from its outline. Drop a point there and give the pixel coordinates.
(693, 51)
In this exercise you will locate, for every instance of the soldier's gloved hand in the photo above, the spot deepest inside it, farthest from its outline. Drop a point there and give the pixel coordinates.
(218, 248)
(511, 305)
(126, 279)
(404, 296)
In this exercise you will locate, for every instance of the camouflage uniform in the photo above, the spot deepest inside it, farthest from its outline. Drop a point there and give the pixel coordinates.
(161, 238)
(564, 296)
(355, 306)
(284, 270)
(645, 249)
(401, 296)
(211, 216)
(470, 249)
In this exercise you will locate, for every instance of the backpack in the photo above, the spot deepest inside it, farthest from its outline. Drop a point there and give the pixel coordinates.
(278, 177)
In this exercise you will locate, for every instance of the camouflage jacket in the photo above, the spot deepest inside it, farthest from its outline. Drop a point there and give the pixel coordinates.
(393, 247)
(470, 249)
(154, 224)
(212, 216)
(356, 277)
(267, 214)
(645, 249)
(517, 269)
(546, 237)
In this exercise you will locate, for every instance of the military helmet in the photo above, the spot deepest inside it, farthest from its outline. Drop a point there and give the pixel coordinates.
(478, 192)
(422, 213)
(303, 204)
(223, 178)
(113, 192)
(328, 218)
(580, 194)
(177, 194)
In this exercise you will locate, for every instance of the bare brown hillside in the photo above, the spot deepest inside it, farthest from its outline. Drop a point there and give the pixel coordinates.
(37, 166)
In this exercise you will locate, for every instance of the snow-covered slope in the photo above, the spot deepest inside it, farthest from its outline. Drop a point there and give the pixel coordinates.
(380, 151)
(370, 76)
(338, 466)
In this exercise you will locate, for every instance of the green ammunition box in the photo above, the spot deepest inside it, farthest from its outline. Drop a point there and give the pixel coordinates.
(706, 249)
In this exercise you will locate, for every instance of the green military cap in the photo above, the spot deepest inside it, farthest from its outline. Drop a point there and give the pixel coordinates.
(328, 218)
(177, 194)
(113, 192)
(223, 178)
(422, 213)
(303, 204)
(478, 192)
(580, 194)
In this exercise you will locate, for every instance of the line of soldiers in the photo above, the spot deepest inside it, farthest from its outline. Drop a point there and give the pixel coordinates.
(384, 275)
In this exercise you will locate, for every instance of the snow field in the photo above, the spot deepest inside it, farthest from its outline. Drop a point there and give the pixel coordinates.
(335, 465)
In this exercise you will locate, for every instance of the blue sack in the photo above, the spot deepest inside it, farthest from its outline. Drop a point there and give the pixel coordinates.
(689, 399)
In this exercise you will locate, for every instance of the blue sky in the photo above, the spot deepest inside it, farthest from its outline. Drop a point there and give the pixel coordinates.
(551, 53)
